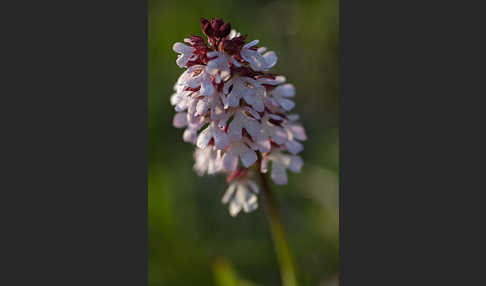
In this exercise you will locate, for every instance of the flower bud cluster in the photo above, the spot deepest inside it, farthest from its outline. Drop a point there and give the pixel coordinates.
(235, 111)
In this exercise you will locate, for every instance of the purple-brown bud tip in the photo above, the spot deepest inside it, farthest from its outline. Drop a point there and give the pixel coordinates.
(225, 29)
(203, 21)
(216, 23)
(206, 27)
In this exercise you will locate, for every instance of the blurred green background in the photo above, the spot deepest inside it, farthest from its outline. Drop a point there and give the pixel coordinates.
(192, 238)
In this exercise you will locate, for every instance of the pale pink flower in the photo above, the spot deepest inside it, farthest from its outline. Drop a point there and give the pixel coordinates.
(273, 131)
(196, 76)
(281, 95)
(213, 132)
(180, 100)
(238, 150)
(242, 121)
(241, 87)
(185, 53)
(241, 195)
(220, 65)
(296, 133)
(208, 160)
(211, 104)
(257, 61)
(280, 163)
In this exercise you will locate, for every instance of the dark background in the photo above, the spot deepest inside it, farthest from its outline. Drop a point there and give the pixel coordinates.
(73, 187)
(190, 230)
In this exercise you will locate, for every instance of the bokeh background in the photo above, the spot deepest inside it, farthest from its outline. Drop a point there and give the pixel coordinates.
(192, 238)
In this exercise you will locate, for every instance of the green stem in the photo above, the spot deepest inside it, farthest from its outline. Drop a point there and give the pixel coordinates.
(287, 270)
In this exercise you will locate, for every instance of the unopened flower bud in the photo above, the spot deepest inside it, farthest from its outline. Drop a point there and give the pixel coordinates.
(216, 23)
(206, 27)
(224, 30)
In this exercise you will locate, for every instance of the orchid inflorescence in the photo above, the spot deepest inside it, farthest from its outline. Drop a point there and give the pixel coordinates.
(233, 109)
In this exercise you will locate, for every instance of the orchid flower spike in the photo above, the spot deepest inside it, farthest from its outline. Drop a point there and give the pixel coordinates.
(235, 112)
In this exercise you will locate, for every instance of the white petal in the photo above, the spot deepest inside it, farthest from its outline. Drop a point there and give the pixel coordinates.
(295, 164)
(274, 116)
(217, 78)
(261, 50)
(234, 208)
(248, 157)
(250, 143)
(251, 44)
(298, 132)
(278, 80)
(173, 99)
(279, 135)
(221, 139)
(214, 160)
(180, 120)
(235, 62)
(249, 98)
(192, 108)
(240, 121)
(239, 196)
(235, 127)
(202, 106)
(245, 198)
(233, 34)
(229, 193)
(252, 112)
(217, 110)
(256, 60)
(271, 59)
(207, 88)
(212, 54)
(258, 105)
(181, 48)
(190, 136)
(251, 203)
(286, 104)
(253, 128)
(182, 60)
(227, 85)
(254, 83)
(263, 144)
(286, 90)
(224, 119)
(294, 146)
(219, 66)
(230, 162)
(204, 137)
(201, 160)
(181, 100)
(239, 90)
(293, 117)
(279, 176)
(185, 53)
